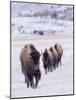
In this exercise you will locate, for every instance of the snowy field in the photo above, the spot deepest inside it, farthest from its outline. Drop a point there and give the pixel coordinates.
(58, 82)
(27, 25)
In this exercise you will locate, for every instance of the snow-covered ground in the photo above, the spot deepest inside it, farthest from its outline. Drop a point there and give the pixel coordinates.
(58, 82)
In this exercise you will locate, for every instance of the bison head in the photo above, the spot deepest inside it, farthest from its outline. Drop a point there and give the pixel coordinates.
(45, 55)
(56, 46)
(35, 56)
(51, 49)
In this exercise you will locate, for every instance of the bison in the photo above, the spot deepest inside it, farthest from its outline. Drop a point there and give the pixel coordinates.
(59, 49)
(29, 59)
(47, 60)
(55, 56)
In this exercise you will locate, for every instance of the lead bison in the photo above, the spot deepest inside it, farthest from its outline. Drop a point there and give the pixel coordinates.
(29, 58)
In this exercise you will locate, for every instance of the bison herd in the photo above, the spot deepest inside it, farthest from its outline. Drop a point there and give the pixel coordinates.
(30, 62)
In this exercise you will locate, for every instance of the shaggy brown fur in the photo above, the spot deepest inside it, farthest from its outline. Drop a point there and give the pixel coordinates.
(47, 60)
(55, 56)
(29, 58)
(59, 49)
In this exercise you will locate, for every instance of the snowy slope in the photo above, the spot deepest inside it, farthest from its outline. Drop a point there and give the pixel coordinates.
(25, 9)
(49, 18)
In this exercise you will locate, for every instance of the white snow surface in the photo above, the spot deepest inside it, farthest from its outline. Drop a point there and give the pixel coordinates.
(57, 82)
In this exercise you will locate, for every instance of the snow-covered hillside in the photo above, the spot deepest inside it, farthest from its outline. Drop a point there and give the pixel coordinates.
(37, 9)
(26, 18)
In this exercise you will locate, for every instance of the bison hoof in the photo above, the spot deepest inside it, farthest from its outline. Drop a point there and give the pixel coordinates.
(51, 70)
(27, 86)
(34, 87)
(45, 72)
(25, 81)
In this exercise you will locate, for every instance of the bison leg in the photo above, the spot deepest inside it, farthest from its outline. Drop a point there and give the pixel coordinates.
(31, 82)
(60, 63)
(28, 83)
(37, 77)
(51, 68)
(45, 67)
(48, 68)
(57, 65)
(26, 78)
(37, 80)
(54, 65)
(45, 71)
(30, 78)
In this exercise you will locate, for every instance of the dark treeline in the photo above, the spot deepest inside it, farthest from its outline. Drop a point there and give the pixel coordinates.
(66, 14)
